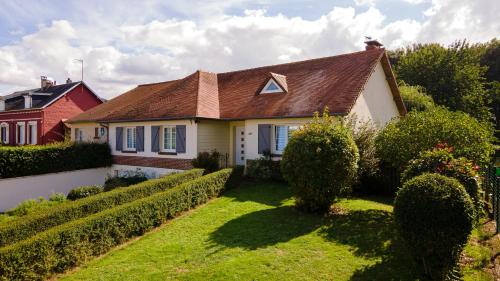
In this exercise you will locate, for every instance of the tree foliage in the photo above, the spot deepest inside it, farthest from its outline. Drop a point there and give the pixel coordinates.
(453, 76)
(415, 98)
(404, 139)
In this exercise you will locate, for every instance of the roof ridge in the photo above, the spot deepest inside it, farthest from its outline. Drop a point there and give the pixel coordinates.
(301, 61)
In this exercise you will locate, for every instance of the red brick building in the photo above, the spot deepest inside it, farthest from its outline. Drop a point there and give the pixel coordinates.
(36, 116)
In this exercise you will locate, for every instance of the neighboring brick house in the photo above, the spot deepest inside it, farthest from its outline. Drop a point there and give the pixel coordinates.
(36, 116)
(163, 126)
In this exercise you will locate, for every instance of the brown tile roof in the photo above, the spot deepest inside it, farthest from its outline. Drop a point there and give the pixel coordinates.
(310, 85)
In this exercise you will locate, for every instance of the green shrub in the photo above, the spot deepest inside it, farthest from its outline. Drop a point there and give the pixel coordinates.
(264, 168)
(68, 245)
(442, 161)
(320, 163)
(84, 191)
(364, 134)
(34, 160)
(116, 182)
(36, 205)
(207, 161)
(32, 224)
(415, 98)
(434, 215)
(404, 139)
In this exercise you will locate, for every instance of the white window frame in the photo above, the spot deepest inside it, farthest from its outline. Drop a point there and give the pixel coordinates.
(134, 139)
(78, 135)
(6, 126)
(102, 132)
(173, 135)
(30, 139)
(19, 140)
(274, 149)
(265, 90)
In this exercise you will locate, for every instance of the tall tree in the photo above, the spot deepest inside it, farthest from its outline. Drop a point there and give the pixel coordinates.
(453, 76)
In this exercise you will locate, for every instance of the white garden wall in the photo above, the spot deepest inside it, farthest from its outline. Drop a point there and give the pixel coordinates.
(15, 190)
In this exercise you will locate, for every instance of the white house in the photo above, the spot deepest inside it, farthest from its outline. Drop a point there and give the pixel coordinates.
(162, 126)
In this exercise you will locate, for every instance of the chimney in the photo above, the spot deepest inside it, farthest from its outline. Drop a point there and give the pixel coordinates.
(27, 101)
(2, 104)
(46, 82)
(372, 44)
(68, 80)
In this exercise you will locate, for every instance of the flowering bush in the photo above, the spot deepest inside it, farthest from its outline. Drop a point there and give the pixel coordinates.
(441, 160)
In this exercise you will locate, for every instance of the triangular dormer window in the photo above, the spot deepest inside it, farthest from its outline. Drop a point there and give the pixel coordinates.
(271, 87)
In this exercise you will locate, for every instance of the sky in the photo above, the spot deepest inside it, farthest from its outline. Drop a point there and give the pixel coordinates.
(126, 43)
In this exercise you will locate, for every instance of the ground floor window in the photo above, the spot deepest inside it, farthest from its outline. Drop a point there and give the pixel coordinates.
(4, 133)
(282, 134)
(130, 138)
(169, 138)
(32, 133)
(20, 133)
(78, 135)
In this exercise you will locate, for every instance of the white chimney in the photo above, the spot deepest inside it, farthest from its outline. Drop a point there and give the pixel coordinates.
(2, 104)
(27, 101)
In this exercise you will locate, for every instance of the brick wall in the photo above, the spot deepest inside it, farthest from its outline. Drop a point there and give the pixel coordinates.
(155, 162)
(72, 104)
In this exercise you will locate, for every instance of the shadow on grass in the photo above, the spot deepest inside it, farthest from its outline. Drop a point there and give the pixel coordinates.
(372, 234)
(265, 228)
(268, 193)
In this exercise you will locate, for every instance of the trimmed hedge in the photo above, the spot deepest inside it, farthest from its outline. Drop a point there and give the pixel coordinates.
(320, 162)
(434, 215)
(52, 158)
(68, 245)
(84, 192)
(30, 225)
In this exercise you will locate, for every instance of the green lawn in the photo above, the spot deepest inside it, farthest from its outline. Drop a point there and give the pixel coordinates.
(254, 233)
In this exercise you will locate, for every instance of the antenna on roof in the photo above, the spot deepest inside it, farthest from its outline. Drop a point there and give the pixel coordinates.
(81, 61)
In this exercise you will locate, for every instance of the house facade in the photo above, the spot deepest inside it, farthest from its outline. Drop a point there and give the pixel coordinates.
(36, 116)
(161, 127)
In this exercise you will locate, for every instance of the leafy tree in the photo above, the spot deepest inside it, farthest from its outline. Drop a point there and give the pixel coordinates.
(415, 97)
(453, 76)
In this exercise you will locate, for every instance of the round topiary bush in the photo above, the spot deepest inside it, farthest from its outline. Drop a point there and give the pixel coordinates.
(404, 139)
(434, 215)
(84, 191)
(442, 161)
(320, 163)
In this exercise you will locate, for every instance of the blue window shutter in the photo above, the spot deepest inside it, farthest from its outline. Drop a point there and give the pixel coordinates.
(139, 131)
(180, 139)
(155, 138)
(119, 138)
(264, 138)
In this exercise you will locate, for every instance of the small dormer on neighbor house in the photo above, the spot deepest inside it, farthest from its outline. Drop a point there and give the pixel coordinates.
(161, 127)
(35, 116)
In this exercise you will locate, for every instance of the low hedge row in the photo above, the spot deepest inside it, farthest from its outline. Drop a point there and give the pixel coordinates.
(30, 225)
(52, 158)
(68, 245)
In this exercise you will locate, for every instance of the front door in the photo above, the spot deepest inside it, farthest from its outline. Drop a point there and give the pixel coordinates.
(240, 145)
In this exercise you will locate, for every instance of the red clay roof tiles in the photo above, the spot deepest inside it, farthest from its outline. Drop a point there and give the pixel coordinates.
(310, 85)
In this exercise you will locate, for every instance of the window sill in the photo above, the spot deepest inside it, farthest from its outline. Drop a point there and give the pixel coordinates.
(167, 153)
(129, 151)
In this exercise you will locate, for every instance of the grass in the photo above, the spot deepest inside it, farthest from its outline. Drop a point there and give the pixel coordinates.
(254, 233)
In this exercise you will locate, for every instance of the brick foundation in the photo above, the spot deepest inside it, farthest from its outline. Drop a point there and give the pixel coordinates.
(155, 162)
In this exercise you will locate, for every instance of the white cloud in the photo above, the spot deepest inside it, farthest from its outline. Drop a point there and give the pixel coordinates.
(120, 55)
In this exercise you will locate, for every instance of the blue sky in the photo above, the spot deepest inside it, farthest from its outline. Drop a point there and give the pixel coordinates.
(125, 43)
